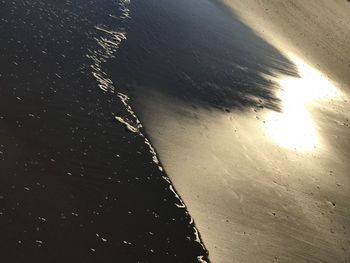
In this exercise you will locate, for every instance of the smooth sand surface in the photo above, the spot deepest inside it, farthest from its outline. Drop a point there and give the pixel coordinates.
(267, 186)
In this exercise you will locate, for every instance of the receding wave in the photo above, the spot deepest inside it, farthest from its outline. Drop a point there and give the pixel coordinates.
(108, 42)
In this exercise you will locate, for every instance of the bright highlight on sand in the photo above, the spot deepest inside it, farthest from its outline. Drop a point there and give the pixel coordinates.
(294, 127)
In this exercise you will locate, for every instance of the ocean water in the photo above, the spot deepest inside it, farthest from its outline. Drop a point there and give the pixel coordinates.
(80, 181)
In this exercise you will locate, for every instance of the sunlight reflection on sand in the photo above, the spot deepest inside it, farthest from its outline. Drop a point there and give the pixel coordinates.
(294, 127)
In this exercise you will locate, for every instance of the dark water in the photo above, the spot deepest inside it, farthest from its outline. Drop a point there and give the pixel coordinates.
(76, 185)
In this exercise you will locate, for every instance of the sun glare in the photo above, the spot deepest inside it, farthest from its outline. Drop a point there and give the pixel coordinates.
(294, 126)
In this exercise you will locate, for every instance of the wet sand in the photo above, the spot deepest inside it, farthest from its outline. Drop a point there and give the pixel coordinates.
(252, 198)
(257, 144)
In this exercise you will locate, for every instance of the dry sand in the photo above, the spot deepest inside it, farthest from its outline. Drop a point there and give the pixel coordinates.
(260, 191)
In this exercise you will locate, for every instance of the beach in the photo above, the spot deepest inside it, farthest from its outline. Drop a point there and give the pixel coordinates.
(175, 131)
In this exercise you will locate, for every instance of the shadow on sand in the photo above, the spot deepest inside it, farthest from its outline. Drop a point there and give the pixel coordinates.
(195, 51)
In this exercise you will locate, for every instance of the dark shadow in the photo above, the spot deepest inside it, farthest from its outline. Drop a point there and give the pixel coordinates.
(196, 51)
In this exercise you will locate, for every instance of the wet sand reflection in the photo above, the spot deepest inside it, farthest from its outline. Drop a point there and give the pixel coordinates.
(261, 183)
(294, 126)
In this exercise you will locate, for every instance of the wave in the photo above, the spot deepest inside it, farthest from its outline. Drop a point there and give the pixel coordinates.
(108, 41)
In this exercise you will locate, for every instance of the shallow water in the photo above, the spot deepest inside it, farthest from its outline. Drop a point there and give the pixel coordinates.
(76, 184)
